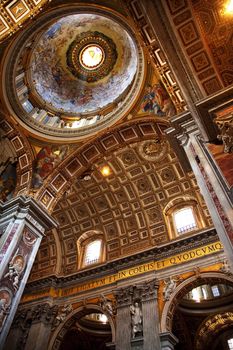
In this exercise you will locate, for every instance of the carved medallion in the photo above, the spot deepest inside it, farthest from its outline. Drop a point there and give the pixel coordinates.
(154, 150)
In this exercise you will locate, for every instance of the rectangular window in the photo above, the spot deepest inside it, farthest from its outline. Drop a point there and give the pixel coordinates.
(215, 291)
(92, 252)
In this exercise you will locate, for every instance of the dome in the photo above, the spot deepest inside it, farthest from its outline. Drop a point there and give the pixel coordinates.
(76, 75)
(60, 75)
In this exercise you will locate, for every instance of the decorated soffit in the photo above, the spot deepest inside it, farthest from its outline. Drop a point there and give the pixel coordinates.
(127, 206)
(205, 32)
(14, 13)
(75, 69)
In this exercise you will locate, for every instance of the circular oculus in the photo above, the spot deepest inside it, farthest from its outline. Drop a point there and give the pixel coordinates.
(91, 56)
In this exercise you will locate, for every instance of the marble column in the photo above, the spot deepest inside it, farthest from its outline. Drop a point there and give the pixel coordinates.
(215, 198)
(123, 318)
(23, 224)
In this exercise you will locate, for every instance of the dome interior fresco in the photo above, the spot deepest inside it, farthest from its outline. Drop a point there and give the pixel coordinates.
(127, 206)
(53, 79)
(54, 92)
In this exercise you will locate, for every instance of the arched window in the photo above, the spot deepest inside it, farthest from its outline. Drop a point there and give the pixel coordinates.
(183, 216)
(91, 249)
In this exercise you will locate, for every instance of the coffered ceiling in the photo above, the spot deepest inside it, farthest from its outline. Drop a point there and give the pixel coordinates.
(128, 206)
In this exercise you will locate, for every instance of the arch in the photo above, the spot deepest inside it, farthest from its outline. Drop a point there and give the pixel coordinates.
(182, 289)
(211, 327)
(84, 157)
(177, 201)
(60, 332)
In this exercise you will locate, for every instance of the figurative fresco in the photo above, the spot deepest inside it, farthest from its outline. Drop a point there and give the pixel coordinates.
(60, 89)
(8, 182)
(46, 160)
(157, 101)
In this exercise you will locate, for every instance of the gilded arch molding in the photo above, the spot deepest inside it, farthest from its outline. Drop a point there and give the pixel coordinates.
(182, 289)
(60, 332)
(211, 327)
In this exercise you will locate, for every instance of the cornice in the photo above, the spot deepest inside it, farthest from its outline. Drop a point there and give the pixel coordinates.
(169, 249)
(26, 207)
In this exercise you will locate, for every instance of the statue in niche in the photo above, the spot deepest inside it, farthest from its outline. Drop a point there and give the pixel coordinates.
(169, 287)
(107, 305)
(136, 319)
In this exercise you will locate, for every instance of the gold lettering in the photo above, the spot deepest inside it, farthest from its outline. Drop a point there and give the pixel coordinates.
(218, 245)
(173, 261)
(153, 265)
(198, 252)
(160, 264)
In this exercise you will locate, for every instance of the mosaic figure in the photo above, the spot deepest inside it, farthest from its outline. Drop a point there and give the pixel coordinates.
(157, 101)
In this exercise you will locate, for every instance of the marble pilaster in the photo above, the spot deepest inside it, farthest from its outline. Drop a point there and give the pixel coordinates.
(150, 314)
(123, 318)
(23, 224)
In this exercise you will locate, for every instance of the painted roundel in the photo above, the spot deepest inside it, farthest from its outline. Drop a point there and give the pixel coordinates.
(91, 56)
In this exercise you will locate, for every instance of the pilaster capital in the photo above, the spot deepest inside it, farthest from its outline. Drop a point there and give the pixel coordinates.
(149, 290)
(124, 296)
(44, 313)
(140, 292)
